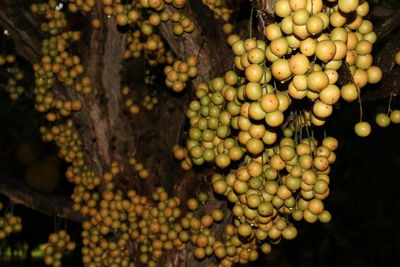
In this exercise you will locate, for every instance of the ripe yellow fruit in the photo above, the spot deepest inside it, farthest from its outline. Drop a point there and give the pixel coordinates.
(300, 82)
(96, 23)
(280, 69)
(330, 95)
(279, 46)
(314, 25)
(317, 81)
(362, 129)
(322, 110)
(348, 6)
(382, 120)
(275, 118)
(269, 102)
(254, 73)
(297, 4)
(300, 16)
(272, 31)
(395, 116)
(316, 206)
(295, 93)
(325, 50)
(307, 46)
(374, 74)
(256, 55)
(282, 8)
(397, 58)
(299, 64)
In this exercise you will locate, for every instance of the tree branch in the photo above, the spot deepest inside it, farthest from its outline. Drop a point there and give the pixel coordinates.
(15, 16)
(390, 84)
(385, 60)
(390, 19)
(266, 14)
(53, 205)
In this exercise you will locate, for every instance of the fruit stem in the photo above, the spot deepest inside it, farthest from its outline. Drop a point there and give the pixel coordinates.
(251, 21)
(390, 102)
(358, 91)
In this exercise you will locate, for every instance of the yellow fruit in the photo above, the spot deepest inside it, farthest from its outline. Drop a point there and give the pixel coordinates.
(317, 81)
(299, 64)
(282, 8)
(254, 72)
(347, 6)
(382, 120)
(325, 50)
(397, 58)
(395, 116)
(280, 69)
(362, 129)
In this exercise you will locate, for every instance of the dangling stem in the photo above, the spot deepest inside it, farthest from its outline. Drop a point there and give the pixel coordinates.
(359, 102)
(390, 102)
(358, 92)
(251, 21)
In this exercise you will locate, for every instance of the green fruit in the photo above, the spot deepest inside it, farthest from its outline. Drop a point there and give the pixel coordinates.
(382, 120)
(362, 129)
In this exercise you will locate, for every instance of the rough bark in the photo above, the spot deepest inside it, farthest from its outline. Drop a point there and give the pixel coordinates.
(23, 26)
(109, 133)
(265, 14)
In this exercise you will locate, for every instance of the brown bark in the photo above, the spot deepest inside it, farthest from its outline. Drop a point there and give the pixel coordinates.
(23, 26)
(108, 132)
(53, 205)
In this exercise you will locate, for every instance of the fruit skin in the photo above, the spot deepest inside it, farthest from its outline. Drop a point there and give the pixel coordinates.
(397, 58)
(382, 120)
(362, 129)
(395, 115)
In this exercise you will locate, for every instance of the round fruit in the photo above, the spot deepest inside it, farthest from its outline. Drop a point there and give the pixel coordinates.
(382, 120)
(395, 116)
(362, 129)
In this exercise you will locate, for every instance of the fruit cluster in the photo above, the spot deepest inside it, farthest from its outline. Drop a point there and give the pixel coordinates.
(59, 242)
(143, 18)
(242, 120)
(149, 102)
(179, 73)
(139, 168)
(129, 104)
(57, 64)
(13, 86)
(9, 224)
(56, 18)
(219, 9)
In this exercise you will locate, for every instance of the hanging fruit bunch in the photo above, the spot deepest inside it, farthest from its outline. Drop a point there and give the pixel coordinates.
(13, 86)
(9, 223)
(179, 73)
(249, 121)
(253, 124)
(58, 244)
